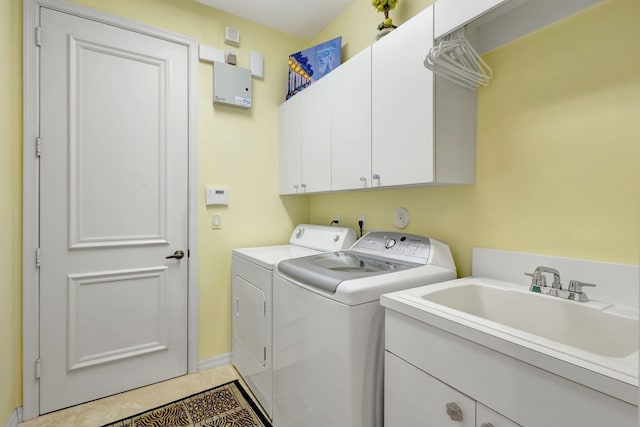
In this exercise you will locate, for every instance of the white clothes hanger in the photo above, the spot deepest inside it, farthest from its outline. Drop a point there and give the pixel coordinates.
(455, 59)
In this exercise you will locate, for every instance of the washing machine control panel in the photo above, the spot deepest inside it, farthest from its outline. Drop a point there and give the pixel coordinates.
(399, 246)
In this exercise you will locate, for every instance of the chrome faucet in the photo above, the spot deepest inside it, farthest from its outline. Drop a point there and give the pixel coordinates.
(539, 285)
(538, 280)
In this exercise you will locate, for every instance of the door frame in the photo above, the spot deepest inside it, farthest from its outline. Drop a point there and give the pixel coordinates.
(30, 186)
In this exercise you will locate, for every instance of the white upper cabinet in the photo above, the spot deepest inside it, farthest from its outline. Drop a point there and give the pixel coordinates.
(290, 144)
(351, 123)
(452, 14)
(305, 141)
(316, 138)
(402, 105)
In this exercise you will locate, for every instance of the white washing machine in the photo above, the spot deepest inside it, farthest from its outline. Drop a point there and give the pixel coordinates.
(328, 326)
(252, 272)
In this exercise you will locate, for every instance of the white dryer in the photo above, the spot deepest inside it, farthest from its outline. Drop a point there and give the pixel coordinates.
(328, 326)
(251, 292)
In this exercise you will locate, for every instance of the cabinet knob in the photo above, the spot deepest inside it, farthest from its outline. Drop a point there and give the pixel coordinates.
(363, 180)
(304, 188)
(486, 425)
(376, 177)
(454, 411)
(295, 187)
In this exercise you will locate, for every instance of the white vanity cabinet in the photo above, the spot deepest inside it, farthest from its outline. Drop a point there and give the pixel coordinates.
(506, 391)
(305, 140)
(351, 123)
(486, 417)
(413, 397)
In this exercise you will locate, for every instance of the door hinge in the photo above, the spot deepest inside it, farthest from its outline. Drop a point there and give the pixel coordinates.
(38, 147)
(38, 36)
(265, 353)
(37, 368)
(38, 257)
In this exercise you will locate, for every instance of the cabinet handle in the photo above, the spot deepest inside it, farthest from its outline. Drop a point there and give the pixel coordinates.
(304, 188)
(295, 187)
(376, 177)
(486, 425)
(454, 411)
(363, 180)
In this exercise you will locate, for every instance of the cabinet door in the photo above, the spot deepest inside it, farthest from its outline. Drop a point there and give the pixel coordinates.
(414, 398)
(316, 137)
(351, 123)
(402, 104)
(452, 14)
(290, 115)
(486, 417)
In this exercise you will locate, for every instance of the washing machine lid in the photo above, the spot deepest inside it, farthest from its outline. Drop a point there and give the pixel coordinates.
(327, 270)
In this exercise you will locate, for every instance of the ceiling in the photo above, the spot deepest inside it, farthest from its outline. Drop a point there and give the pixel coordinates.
(300, 18)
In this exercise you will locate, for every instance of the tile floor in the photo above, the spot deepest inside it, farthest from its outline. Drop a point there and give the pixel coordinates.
(122, 405)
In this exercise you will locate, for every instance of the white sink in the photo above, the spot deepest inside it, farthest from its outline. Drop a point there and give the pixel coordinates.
(586, 327)
(592, 343)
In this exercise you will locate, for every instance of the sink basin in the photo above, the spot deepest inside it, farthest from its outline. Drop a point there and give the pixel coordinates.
(586, 327)
(591, 343)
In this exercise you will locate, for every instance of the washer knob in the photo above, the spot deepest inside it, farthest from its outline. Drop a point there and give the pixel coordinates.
(390, 243)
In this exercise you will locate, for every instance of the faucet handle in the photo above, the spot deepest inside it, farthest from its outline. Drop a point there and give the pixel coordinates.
(537, 279)
(576, 286)
(575, 290)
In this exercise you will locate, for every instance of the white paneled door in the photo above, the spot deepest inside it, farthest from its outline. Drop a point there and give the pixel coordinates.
(114, 206)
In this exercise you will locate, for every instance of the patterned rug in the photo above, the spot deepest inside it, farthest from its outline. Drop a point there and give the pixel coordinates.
(227, 405)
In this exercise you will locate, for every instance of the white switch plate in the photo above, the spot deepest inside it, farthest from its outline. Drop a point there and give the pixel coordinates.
(215, 222)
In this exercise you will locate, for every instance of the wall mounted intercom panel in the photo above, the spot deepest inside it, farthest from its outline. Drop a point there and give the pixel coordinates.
(231, 85)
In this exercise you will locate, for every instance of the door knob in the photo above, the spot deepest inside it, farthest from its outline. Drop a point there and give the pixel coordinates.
(177, 255)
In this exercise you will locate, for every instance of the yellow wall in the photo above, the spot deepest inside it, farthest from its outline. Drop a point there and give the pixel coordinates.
(10, 207)
(558, 150)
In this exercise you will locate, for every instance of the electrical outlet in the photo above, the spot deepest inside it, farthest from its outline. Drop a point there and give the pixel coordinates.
(361, 221)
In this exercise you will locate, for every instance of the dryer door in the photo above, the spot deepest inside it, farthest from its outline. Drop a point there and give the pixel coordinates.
(249, 324)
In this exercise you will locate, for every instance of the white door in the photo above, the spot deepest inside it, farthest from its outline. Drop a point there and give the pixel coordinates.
(113, 191)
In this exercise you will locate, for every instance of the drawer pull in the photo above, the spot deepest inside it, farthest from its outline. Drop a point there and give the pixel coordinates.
(454, 411)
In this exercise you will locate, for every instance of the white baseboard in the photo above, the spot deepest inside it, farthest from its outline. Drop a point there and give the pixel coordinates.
(214, 362)
(16, 416)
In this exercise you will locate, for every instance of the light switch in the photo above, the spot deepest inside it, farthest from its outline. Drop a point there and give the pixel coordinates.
(215, 222)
